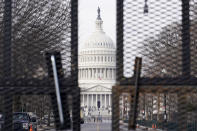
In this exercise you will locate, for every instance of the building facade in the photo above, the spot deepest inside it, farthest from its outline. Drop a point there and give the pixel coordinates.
(97, 68)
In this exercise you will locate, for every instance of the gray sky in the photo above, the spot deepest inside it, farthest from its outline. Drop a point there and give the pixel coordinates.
(138, 27)
(88, 14)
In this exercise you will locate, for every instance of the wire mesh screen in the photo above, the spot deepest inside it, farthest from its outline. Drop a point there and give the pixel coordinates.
(163, 34)
(31, 32)
(162, 108)
(193, 33)
(1, 33)
(155, 36)
(39, 27)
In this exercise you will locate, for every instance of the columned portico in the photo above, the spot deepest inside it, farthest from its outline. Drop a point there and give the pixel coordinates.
(91, 102)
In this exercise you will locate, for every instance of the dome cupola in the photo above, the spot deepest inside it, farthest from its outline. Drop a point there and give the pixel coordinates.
(98, 39)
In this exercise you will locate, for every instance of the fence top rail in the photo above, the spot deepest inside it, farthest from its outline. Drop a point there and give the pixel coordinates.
(156, 88)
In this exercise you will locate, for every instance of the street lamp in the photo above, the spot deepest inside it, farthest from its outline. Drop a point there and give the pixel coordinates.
(146, 7)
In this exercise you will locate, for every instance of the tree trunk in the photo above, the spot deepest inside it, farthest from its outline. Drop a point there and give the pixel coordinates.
(17, 104)
(49, 116)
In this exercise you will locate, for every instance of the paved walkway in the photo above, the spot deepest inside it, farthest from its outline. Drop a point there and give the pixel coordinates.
(46, 128)
(101, 127)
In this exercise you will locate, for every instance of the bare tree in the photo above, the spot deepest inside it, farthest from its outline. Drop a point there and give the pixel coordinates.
(163, 53)
(37, 26)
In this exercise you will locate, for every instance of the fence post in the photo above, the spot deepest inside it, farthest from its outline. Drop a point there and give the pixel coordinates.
(133, 113)
(115, 109)
(182, 116)
(8, 100)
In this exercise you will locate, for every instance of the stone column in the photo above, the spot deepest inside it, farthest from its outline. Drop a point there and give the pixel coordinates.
(92, 100)
(104, 73)
(83, 101)
(84, 70)
(101, 100)
(105, 101)
(96, 100)
(87, 100)
(109, 73)
(98, 71)
(109, 100)
(92, 73)
(86, 73)
(112, 73)
(80, 73)
(83, 73)
(89, 73)
(96, 74)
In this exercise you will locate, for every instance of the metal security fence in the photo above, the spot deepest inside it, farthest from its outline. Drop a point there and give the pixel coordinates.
(39, 73)
(163, 87)
(38, 60)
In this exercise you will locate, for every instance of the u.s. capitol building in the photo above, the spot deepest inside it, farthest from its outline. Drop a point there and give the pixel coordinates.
(97, 68)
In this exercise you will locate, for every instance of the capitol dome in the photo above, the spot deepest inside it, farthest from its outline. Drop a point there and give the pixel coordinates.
(98, 39)
(97, 67)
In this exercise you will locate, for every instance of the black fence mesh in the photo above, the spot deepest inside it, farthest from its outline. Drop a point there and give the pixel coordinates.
(163, 34)
(154, 36)
(39, 27)
(30, 33)
(193, 33)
